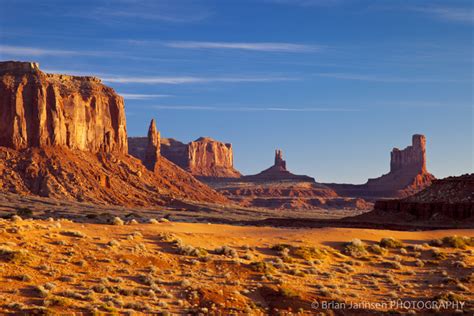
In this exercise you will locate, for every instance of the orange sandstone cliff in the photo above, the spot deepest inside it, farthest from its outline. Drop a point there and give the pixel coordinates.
(39, 109)
(65, 137)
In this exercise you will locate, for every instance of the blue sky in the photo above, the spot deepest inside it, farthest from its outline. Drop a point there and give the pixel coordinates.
(336, 84)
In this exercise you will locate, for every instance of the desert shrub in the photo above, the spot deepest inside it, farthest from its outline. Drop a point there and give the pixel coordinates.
(288, 292)
(260, 266)
(450, 297)
(49, 286)
(132, 222)
(23, 277)
(419, 263)
(56, 301)
(376, 249)
(188, 250)
(117, 221)
(113, 243)
(16, 218)
(226, 251)
(437, 254)
(355, 248)
(41, 291)
(458, 241)
(146, 279)
(9, 255)
(281, 247)
(73, 233)
(390, 242)
(436, 242)
(392, 265)
(185, 283)
(152, 221)
(308, 253)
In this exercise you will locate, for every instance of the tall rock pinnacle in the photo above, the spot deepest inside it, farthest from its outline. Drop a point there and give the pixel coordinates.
(279, 162)
(152, 153)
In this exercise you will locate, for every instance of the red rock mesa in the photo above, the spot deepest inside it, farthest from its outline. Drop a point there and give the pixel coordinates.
(408, 175)
(38, 109)
(65, 137)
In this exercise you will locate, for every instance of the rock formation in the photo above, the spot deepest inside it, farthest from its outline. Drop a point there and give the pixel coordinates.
(277, 172)
(449, 198)
(38, 109)
(278, 188)
(152, 152)
(407, 176)
(65, 137)
(203, 158)
(411, 158)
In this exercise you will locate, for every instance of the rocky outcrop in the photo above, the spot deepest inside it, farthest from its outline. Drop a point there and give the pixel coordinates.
(102, 178)
(39, 110)
(65, 137)
(204, 157)
(278, 172)
(152, 151)
(408, 175)
(449, 198)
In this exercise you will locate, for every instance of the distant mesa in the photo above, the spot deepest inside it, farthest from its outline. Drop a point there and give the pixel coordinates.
(203, 158)
(407, 176)
(277, 172)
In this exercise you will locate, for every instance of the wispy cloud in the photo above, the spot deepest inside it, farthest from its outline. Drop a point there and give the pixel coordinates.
(250, 109)
(256, 46)
(465, 14)
(306, 3)
(34, 51)
(460, 14)
(192, 79)
(378, 78)
(133, 96)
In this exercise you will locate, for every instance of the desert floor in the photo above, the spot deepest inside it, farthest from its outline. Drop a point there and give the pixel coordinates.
(177, 268)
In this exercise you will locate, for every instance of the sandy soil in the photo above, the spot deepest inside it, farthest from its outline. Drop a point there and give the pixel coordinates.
(179, 268)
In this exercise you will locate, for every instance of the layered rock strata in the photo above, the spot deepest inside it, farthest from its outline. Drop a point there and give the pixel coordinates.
(39, 109)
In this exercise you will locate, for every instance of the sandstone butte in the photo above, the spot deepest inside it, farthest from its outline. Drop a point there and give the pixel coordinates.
(65, 136)
(277, 172)
(39, 109)
(203, 158)
(408, 175)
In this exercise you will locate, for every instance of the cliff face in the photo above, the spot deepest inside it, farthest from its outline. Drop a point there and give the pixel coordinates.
(413, 157)
(449, 198)
(39, 110)
(65, 137)
(408, 175)
(203, 157)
